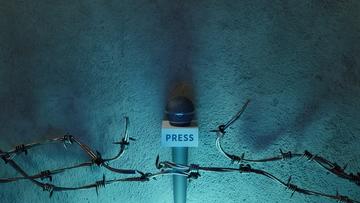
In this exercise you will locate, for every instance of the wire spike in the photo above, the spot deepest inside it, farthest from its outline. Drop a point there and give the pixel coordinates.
(289, 180)
(242, 156)
(345, 166)
(292, 194)
(99, 184)
(67, 139)
(308, 155)
(49, 188)
(157, 163)
(291, 187)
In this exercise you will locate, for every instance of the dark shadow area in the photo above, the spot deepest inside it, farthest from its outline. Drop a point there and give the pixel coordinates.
(175, 20)
(32, 88)
(332, 77)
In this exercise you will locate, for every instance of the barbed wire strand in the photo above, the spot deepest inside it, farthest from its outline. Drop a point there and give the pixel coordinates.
(331, 167)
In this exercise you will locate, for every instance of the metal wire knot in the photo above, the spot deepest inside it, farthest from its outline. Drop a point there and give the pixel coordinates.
(21, 148)
(245, 168)
(308, 155)
(98, 160)
(194, 175)
(285, 155)
(237, 159)
(68, 139)
(159, 165)
(45, 174)
(6, 157)
(221, 129)
(194, 168)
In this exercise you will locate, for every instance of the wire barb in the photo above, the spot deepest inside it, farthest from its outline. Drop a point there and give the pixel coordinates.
(123, 142)
(308, 155)
(48, 188)
(21, 148)
(100, 184)
(144, 176)
(45, 174)
(285, 155)
(291, 187)
(67, 139)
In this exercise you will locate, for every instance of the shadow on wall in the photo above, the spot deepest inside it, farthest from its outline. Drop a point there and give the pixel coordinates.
(330, 90)
(18, 106)
(331, 75)
(42, 89)
(30, 112)
(31, 93)
(176, 21)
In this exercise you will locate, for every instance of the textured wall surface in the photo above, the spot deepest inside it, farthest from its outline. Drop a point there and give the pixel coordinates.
(80, 66)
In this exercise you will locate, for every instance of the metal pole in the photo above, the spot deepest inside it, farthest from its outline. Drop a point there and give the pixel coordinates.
(180, 155)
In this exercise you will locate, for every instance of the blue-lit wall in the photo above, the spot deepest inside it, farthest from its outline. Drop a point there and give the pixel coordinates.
(80, 66)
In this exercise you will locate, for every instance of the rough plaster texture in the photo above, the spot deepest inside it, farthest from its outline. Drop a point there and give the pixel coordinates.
(80, 66)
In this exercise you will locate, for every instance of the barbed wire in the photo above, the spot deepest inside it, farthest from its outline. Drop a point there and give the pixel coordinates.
(331, 167)
(166, 168)
(193, 172)
(95, 159)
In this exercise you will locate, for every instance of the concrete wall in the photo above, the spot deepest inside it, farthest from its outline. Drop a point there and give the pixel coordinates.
(80, 66)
